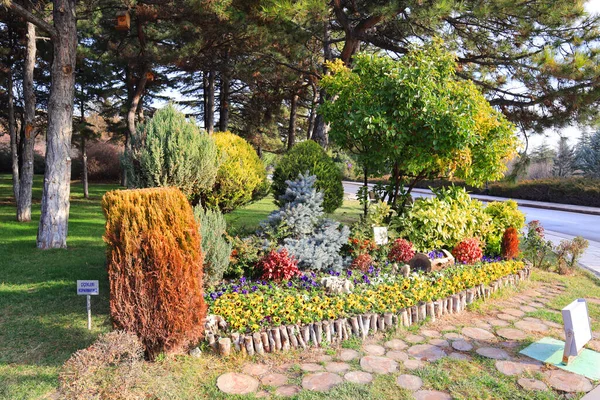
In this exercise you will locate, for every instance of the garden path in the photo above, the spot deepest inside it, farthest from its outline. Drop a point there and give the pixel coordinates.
(496, 334)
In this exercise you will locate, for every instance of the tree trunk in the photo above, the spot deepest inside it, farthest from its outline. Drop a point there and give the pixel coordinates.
(292, 126)
(130, 90)
(313, 113)
(140, 111)
(84, 163)
(209, 111)
(224, 102)
(26, 173)
(12, 130)
(135, 101)
(54, 219)
(319, 134)
(366, 184)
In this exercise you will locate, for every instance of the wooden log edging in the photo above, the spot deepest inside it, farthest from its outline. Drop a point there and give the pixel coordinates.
(284, 338)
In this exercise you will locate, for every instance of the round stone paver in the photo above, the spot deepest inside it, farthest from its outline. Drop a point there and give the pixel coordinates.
(439, 342)
(274, 380)
(531, 326)
(395, 344)
(567, 382)
(493, 352)
(414, 338)
(532, 384)
(511, 334)
(431, 395)
(498, 322)
(478, 334)
(235, 383)
(374, 349)
(414, 364)
(348, 354)
(324, 358)
(321, 381)
(310, 367)
(409, 382)
(287, 390)
(552, 324)
(378, 364)
(462, 345)
(453, 336)
(255, 369)
(528, 308)
(514, 312)
(460, 356)
(337, 367)
(426, 352)
(511, 368)
(506, 317)
(430, 333)
(358, 377)
(482, 324)
(397, 355)
(536, 304)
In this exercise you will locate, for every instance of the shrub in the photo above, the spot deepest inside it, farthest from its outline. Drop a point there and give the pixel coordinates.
(401, 251)
(359, 245)
(468, 251)
(362, 262)
(171, 151)
(241, 177)
(510, 244)
(154, 267)
(107, 369)
(278, 266)
(300, 227)
(536, 248)
(103, 161)
(443, 221)
(504, 214)
(309, 156)
(215, 247)
(569, 252)
(244, 256)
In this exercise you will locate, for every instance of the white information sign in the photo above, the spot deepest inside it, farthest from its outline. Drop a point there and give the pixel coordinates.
(380, 234)
(577, 328)
(87, 288)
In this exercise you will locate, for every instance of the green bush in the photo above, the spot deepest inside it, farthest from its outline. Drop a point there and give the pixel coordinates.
(170, 151)
(241, 177)
(504, 214)
(215, 247)
(444, 221)
(309, 156)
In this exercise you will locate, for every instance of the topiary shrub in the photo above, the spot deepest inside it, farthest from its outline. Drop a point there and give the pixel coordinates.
(510, 244)
(468, 251)
(278, 266)
(504, 214)
(108, 369)
(300, 227)
(401, 251)
(241, 177)
(170, 151)
(215, 246)
(154, 267)
(309, 156)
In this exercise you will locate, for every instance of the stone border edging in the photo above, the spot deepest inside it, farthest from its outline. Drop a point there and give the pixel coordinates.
(286, 337)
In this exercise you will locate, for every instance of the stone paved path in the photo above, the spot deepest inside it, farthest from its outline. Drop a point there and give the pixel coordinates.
(462, 336)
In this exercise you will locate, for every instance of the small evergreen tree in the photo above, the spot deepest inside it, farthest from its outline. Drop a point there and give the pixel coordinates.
(565, 157)
(215, 247)
(588, 155)
(300, 228)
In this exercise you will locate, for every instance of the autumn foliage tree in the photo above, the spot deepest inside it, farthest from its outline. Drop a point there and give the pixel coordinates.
(154, 267)
(415, 119)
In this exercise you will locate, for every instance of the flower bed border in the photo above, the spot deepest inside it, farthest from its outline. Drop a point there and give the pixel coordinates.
(286, 337)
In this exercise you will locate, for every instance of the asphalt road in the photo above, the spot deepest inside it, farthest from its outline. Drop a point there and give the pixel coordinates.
(559, 225)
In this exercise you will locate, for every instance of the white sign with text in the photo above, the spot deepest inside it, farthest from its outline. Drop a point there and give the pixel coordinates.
(87, 288)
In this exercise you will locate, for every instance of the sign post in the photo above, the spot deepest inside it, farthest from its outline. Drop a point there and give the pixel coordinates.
(577, 328)
(88, 289)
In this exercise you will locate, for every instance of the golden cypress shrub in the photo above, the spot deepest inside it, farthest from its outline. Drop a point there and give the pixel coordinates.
(154, 267)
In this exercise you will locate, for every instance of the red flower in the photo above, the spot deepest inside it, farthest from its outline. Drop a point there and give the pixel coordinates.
(362, 262)
(468, 251)
(401, 251)
(279, 265)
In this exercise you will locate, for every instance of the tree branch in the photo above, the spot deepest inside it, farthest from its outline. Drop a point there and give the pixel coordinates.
(30, 17)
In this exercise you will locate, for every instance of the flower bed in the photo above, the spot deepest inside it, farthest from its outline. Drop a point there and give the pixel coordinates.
(257, 310)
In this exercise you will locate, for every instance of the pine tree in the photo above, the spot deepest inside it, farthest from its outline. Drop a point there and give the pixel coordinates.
(588, 155)
(565, 157)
